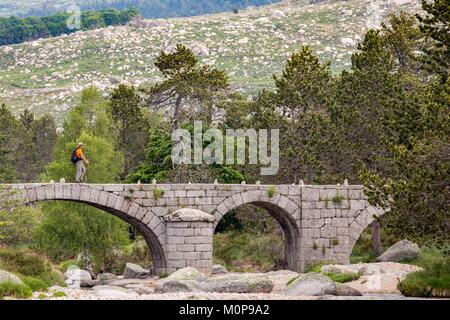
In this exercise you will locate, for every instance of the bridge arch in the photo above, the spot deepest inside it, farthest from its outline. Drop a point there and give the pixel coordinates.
(143, 219)
(361, 222)
(282, 209)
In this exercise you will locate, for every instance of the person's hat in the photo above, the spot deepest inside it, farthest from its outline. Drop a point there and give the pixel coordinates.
(80, 144)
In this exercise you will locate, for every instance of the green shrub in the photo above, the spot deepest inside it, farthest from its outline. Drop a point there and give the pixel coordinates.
(35, 284)
(271, 191)
(337, 199)
(316, 266)
(239, 251)
(63, 266)
(35, 271)
(58, 294)
(10, 289)
(158, 193)
(135, 252)
(421, 284)
(434, 280)
(342, 277)
(23, 262)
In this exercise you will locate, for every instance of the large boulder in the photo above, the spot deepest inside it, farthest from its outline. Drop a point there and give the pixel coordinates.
(337, 268)
(346, 291)
(9, 277)
(106, 276)
(239, 283)
(134, 271)
(187, 273)
(75, 277)
(310, 284)
(278, 14)
(173, 286)
(401, 251)
(219, 269)
(73, 271)
(91, 283)
(111, 291)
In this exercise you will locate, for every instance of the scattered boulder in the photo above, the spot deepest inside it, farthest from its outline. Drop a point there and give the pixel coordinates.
(91, 283)
(400, 251)
(141, 289)
(9, 277)
(311, 284)
(110, 291)
(74, 271)
(187, 273)
(346, 291)
(173, 286)
(371, 269)
(337, 268)
(134, 271)
(219, 269)
(278, 14)
(346, 12)
(106, 276)
(239, 283)
(348, 42)
(76, 276)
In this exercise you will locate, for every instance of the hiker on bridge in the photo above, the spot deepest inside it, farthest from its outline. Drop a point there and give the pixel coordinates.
(78, 159)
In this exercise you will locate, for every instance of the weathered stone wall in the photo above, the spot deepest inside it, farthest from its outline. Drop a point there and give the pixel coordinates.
(319, 222)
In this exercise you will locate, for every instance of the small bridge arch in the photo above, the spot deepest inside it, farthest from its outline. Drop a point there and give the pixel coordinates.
(282, 209)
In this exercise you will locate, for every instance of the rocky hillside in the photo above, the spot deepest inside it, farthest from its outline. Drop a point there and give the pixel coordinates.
(46, 75)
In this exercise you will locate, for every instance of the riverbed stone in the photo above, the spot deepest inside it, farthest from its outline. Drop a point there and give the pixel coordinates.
(174, 286)
(239, 283)
(9, 277)
(400, 251)
(134, 271)
(345, 290)
(187, 273)
(219, 269)
(310, 284)
(110, 291)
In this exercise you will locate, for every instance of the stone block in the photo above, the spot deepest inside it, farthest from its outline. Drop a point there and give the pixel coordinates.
(176, 240)
(160, 211)
(339, 222)
(204, 232)
(198, 240)
(316, 223)
(328, 232)
(191, 255)
(310, 194)
(113, 187)
(195, 193)
(203, 247)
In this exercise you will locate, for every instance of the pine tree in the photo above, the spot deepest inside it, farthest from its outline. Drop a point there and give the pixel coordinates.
(185, 82)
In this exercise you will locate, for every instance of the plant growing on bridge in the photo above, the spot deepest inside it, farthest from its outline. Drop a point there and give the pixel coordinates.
(158, 193)
(271, 191)
(337, 199)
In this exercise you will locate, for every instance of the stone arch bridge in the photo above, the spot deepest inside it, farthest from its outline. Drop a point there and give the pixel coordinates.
(178, 220)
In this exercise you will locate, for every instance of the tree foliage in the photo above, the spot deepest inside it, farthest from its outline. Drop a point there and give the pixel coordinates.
(16, 30)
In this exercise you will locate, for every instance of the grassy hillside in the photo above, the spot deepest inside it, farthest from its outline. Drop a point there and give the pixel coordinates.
(46, 75)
